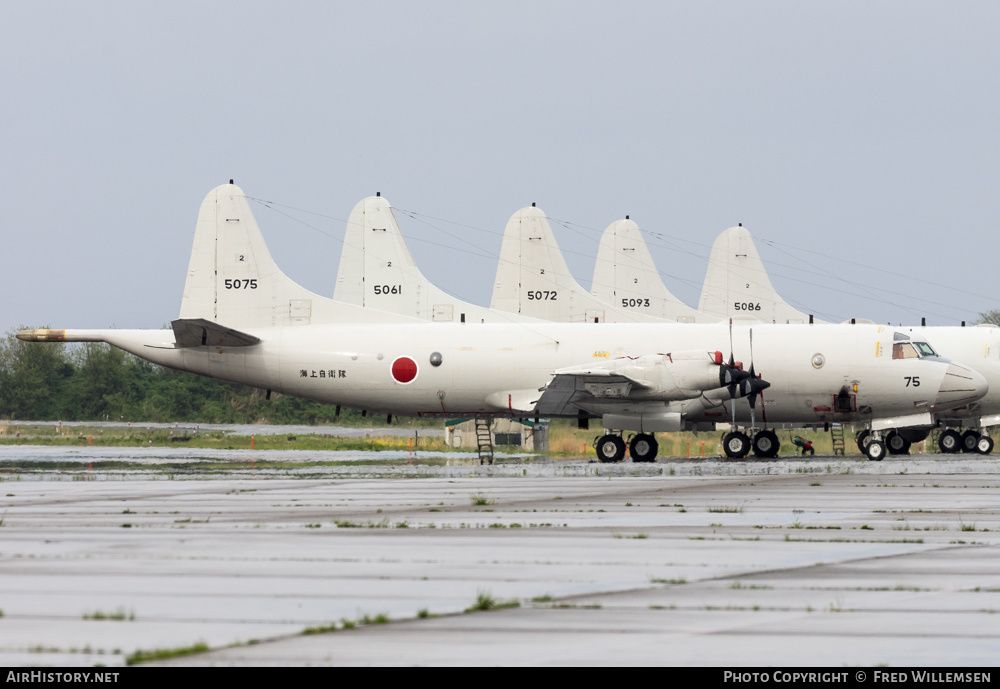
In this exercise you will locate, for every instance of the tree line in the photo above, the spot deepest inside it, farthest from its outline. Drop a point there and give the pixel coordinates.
(94, 381)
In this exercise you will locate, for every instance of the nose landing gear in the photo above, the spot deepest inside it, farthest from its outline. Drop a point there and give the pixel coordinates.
(984, 445)
(875, 450)
(871, 444)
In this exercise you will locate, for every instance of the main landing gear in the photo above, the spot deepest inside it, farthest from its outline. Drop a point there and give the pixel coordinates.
(642, 447)
(737, 444)
(896, 444)
(766, 444)
(610, 448)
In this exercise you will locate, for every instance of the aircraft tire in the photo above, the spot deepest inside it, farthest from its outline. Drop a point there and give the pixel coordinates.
(610, 449)
(984, 445)
(643, 448)
(875, 451)
(766, 444)
(896, 444)
(862, 439)
(950, 441)
(736, 445)
(970, 441)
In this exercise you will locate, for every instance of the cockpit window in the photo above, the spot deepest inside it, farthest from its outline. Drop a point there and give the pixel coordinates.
(904, 350)
(924, 349)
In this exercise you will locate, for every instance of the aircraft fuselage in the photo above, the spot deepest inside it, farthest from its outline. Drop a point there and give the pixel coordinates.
(388, 367)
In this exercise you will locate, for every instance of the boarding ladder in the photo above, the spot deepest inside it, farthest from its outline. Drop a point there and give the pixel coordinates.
(484, 440)
(837, 436)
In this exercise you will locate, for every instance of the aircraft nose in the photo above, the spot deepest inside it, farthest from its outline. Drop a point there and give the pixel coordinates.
(960, 385)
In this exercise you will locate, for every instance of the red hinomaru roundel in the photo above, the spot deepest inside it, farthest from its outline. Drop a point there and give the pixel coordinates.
(404, 369)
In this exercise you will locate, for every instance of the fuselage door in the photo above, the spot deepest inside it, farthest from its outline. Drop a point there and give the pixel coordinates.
(844, 402)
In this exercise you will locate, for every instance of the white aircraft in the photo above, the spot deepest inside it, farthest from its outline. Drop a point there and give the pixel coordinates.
(377, 269)
(243, 320)
(737, 281)
(736, 288)
(966, 427)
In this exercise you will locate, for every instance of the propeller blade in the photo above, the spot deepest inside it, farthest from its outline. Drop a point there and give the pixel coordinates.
(730, 341)
(730, 374)
(754, 385)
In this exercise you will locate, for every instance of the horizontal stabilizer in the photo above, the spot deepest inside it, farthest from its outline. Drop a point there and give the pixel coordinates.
(198, 332)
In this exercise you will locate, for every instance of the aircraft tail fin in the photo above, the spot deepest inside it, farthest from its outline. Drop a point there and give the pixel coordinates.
(737, 286)
(233, 281)
(626, 276)
(377, 271)
(374, 246)
(533, 278)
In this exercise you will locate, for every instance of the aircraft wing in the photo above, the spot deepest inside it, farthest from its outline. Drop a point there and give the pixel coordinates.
(568, 387)
(628, 384)
(198, 332)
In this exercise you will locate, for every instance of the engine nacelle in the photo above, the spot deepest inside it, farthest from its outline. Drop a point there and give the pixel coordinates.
(673, 376)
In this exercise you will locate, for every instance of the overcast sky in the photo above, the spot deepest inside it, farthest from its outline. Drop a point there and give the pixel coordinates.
(859, 142)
